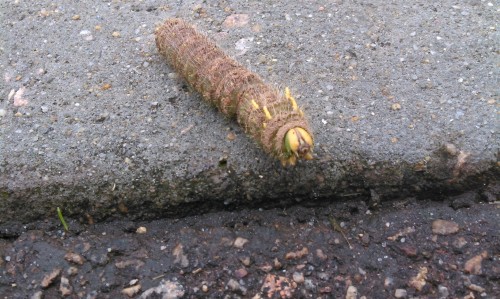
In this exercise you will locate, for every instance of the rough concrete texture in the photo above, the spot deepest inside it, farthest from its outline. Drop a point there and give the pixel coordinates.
(402, 98)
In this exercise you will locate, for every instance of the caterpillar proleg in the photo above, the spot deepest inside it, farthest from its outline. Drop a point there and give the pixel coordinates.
(271, 118)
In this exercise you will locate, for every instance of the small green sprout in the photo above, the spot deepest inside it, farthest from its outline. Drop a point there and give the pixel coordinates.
(59, 213)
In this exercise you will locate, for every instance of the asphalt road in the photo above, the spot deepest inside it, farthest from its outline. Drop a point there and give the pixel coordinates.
(402, 99)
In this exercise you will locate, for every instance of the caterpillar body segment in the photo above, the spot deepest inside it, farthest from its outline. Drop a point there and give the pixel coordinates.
(273, 119)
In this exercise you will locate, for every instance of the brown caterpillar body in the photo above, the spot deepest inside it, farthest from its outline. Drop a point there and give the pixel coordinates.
(271, 118)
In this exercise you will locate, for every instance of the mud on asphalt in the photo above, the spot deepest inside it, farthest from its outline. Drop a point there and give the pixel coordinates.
(362, 248)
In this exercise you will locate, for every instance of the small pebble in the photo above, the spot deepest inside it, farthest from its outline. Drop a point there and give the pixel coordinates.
(37, 295)
(116, 34)
(459, 243)
(323, 276)
(277, 264)
(72, 271)
(409, 251)
(231, 136)
(74, 258)
(49, 278)
(321, 255)
(233, 285)
(131, 291)
(396, 106)
(473, 265)
(173, 75)
(388, 281)
(475, 288)
(309, 285)
(400, 293)
(65, 288)
(245, 260)
(133, 282)
(443, 291)
(240, 273)
(352, 293)
(266, 268)
(298, 277)
(141, 230)
(240, 242)
(419, 281)
(236, 20)
(451, 149)
(444, 227)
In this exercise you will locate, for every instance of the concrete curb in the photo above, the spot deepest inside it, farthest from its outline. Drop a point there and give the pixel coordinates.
(403, 100)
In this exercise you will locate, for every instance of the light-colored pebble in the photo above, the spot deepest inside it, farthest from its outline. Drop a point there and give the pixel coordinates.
(233, 285)
(444, 227)
(396, 106)
(473, 265)
(443, 291)
(141, 230)
(400, 293)
(49, 278)
(74, 258)
(133, 282)
(240, 273)
(388, 281)
(240, 242)
(72, 271)
(131, 291)
(298, 277)
(321, 255)
(245, 260)
(352, 293)
(37, 295)
(475, 288)
(65, 288)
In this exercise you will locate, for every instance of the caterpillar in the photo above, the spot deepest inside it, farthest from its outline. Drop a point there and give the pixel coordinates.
(271, 118)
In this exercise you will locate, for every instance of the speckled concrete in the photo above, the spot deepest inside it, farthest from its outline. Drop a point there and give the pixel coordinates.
(403, 99)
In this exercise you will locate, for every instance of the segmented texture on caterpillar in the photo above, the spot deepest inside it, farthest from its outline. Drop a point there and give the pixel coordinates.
(272, 118)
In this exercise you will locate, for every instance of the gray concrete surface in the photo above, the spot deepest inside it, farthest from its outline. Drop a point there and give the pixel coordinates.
(402, 97)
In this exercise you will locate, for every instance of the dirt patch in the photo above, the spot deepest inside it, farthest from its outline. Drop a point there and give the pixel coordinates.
(407, 248)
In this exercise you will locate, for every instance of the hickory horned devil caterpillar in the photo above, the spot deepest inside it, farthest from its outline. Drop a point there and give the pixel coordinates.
(273, 119)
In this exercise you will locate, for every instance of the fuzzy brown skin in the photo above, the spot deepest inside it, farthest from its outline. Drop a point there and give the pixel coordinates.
(235, 90)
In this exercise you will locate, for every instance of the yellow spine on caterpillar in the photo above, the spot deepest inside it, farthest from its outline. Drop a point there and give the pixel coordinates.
(289, 97)
(255, 105)
(266, 112)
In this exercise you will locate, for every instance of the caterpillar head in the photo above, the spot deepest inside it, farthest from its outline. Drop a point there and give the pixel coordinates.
(298, 145)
